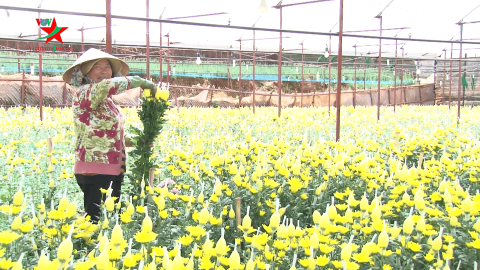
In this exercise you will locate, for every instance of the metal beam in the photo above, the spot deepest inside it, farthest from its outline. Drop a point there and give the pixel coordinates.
(229, 26)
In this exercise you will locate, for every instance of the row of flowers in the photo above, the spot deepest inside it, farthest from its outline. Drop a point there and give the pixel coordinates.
(236, 190)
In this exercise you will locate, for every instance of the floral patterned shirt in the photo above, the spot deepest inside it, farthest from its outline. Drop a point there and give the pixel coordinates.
(99, 127)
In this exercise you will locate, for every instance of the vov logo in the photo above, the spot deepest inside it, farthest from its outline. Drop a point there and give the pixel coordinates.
(51, 28)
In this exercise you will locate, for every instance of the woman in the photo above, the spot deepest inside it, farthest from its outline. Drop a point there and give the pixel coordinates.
(99, 125)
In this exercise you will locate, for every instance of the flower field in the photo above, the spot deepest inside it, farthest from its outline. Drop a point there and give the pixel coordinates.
(236, 190)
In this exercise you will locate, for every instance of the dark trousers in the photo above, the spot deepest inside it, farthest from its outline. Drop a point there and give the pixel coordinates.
(92, 196)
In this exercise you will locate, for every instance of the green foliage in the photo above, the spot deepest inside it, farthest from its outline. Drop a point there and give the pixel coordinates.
(152, 117)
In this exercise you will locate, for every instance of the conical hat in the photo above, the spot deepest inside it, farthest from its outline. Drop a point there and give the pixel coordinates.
(92, 55)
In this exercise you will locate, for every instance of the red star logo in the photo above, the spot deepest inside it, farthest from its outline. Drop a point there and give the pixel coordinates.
(53, 31)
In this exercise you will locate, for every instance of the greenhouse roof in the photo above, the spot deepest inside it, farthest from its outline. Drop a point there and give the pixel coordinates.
(420, 26)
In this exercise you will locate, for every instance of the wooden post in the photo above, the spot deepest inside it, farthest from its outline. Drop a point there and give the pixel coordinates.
(211, 98)
(420, 93)
(420, 160)
(23, 89)
(229, 79)
(175, 95)
(18, 57)
(65, 94)
(388, 94)
(238, 202)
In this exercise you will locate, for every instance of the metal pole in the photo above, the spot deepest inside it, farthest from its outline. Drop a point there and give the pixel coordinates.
(339, 72)
(18, 55)
(459, 73)
(451, 75)
(172, 55)
(301, 84)
(379, 70)
(168, 63)
(64, 94)
(148, 43)
(401, 79)
(83, 45)
(279, 86)
(395, 79)
(108, 38)
(365, 79)
(443, 80)
(355, 78)
(253, 79)
(464, 88)
(160, 77)
(240, 75)
(329, 70)
(23, 89)
(40, 64)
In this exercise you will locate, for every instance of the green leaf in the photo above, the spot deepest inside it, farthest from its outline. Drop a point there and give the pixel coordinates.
(464, 82)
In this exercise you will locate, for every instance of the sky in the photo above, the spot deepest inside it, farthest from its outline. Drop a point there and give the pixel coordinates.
(426, 19)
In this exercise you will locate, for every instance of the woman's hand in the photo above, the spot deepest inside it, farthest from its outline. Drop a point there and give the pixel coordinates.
(151, 145)
(128, 142)
(148, 85)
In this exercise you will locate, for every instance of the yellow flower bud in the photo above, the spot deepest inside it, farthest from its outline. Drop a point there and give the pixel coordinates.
(454, 221)
(234, 259)
(246, 222)
(103, 260)
(161, 203)
(467, 205)
(63, 205)
(71, 209)
(364, 203)
(447, 197)
(16, 223)
(421, 226)
(231, 213)
(437, 243)
(147, 224)
(316, 217)
(109, 204)
(18, 198)
(383, 239)
(476, 226)
(346, 252)
(117, 235)
(43, 262)
(130, 210)
(376, 213)
(408, 225)
(65, 250)
(204, 216)
(201, 197)
(314, 240)
(250, 265)
(221, 247)
(275, 220)
(178, 260)
(218, 188)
